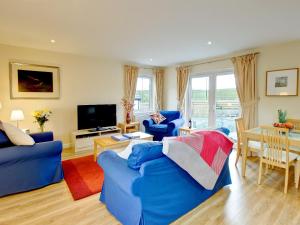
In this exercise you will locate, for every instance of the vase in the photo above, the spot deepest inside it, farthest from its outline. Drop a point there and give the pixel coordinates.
(128, 119)
(42, 128)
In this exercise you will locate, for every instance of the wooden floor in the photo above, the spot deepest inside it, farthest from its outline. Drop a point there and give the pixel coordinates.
(242, 203)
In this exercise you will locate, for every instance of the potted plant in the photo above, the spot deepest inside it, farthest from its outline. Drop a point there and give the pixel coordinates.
(128, 106)
(41, 117)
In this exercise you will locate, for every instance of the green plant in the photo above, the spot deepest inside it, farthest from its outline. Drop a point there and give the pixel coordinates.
(282, 116)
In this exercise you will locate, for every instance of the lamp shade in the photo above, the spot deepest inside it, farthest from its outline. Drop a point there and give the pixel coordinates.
(0, 105)
(17, 115)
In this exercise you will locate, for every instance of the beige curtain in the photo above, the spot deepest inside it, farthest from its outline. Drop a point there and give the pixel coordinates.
(130, 80)
(245, 77)
(183, 73)
(159, 85)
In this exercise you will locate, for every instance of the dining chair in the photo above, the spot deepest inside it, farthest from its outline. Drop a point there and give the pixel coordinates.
(295, 122)
(275, 152)
(253, 146)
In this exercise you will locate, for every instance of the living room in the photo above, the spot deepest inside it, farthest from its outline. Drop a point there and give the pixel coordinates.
(175, 51)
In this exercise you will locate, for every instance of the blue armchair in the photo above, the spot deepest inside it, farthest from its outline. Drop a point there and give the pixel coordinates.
(167, 128)
(23, 168)
(157, 193)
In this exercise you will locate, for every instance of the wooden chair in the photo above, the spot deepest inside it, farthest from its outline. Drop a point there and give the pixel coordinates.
(275, 151)
(295, 122)
(253, 146)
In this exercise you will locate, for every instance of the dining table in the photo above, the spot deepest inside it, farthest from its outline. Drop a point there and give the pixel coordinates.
(254, 134)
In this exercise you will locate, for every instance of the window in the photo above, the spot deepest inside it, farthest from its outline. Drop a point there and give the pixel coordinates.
(213, 100)
(144, 94)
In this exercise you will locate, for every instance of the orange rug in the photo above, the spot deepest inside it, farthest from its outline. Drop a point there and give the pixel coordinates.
(83, 176)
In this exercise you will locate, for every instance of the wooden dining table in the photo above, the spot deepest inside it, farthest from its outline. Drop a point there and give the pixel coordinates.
(254, 134)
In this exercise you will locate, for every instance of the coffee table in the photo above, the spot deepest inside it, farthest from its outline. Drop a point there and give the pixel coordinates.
(104, 143)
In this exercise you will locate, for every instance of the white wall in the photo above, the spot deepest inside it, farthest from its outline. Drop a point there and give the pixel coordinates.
(84, 80)
(270, 58)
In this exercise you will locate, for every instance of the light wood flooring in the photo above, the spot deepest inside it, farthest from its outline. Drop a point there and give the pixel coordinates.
(242, 203)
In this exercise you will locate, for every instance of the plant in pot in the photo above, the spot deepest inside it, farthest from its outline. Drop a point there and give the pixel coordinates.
(41, 117)
(128, 106)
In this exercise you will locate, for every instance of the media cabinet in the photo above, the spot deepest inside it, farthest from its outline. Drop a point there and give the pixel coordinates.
(84, 139)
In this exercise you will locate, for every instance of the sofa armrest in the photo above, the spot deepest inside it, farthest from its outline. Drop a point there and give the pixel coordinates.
(175, 124)
(147, 123)
(116, 169)
(42, 137)
(39, 150)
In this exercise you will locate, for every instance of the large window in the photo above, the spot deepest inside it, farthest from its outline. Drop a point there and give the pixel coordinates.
(144, 94)
(213, 100)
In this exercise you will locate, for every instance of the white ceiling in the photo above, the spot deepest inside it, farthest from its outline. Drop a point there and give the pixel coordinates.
(168, 31)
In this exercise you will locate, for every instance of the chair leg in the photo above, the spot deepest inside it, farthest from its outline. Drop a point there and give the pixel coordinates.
(267, 168)
(238, 155)
(260, 171)
(286, 180)
(297, 173)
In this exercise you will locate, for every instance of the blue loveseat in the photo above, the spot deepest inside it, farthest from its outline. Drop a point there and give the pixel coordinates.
(23, 168)
(167, 128)
(157, 193)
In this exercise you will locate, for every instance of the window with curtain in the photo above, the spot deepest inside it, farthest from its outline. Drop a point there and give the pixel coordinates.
(144, 94)
(213, 100)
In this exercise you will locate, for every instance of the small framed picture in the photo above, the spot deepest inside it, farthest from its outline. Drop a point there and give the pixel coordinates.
(34, 81)
(282, 82)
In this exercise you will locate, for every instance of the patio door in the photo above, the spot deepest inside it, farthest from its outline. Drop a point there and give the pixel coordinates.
(212, 100)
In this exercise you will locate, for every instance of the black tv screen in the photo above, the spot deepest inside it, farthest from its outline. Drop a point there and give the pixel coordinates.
(93, 116)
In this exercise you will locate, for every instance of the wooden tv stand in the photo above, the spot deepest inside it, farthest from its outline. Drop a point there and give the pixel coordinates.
(84, 139)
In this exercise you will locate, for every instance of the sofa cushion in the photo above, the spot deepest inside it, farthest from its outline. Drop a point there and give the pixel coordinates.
(144, 152)
(4, 141)
(157, 118)
(162, 128)
(16, 135)
(127, 151)
(170, 115)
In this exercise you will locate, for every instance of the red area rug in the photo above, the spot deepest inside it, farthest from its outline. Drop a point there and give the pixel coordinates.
(83, 176)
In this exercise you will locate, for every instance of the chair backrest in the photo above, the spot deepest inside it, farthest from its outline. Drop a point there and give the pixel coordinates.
(240, 127)
(170, 116)
(295, 122)
(274, 144)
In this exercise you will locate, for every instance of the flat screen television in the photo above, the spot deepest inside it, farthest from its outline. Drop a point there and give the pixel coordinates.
(96, 116)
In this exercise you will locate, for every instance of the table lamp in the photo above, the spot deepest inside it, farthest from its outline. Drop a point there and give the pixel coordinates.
(17, 115)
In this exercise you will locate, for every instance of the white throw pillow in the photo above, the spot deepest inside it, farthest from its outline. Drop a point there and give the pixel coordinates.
(127, 151)
(16, 135)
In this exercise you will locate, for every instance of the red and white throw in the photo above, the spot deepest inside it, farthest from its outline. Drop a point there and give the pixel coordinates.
(202, 154)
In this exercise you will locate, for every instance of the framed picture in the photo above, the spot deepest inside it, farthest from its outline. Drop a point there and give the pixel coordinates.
(282, 82)
(34, 81)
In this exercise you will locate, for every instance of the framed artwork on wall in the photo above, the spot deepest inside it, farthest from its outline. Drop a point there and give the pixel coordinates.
(31, 81)
(282, 82)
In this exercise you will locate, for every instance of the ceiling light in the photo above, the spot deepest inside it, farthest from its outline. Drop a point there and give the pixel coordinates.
(52, 41)
(150, 60)
(209, 43)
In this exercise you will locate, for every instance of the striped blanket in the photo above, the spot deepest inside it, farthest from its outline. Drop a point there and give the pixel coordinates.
(202, 154)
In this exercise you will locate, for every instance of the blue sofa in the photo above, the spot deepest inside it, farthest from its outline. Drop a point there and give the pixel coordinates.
(158, 193)
(167, 128)
(23, 168)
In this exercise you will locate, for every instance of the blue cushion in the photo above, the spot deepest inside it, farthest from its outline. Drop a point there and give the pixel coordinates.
(224, 130)
(4, 141)
(144, 152)
(159, 128)
(170, 116)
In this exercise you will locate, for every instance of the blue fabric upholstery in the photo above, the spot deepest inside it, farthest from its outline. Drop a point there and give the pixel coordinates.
(23, 168)
(158, 193)
(4, 141)
(167, 128)
(144, 152)
(224, 130)
(42, 137)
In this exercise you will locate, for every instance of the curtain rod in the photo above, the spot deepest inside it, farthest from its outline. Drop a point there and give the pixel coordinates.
(218, 60)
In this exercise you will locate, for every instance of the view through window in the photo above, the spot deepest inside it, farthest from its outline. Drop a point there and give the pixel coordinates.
(143, 95)
(214, 101)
